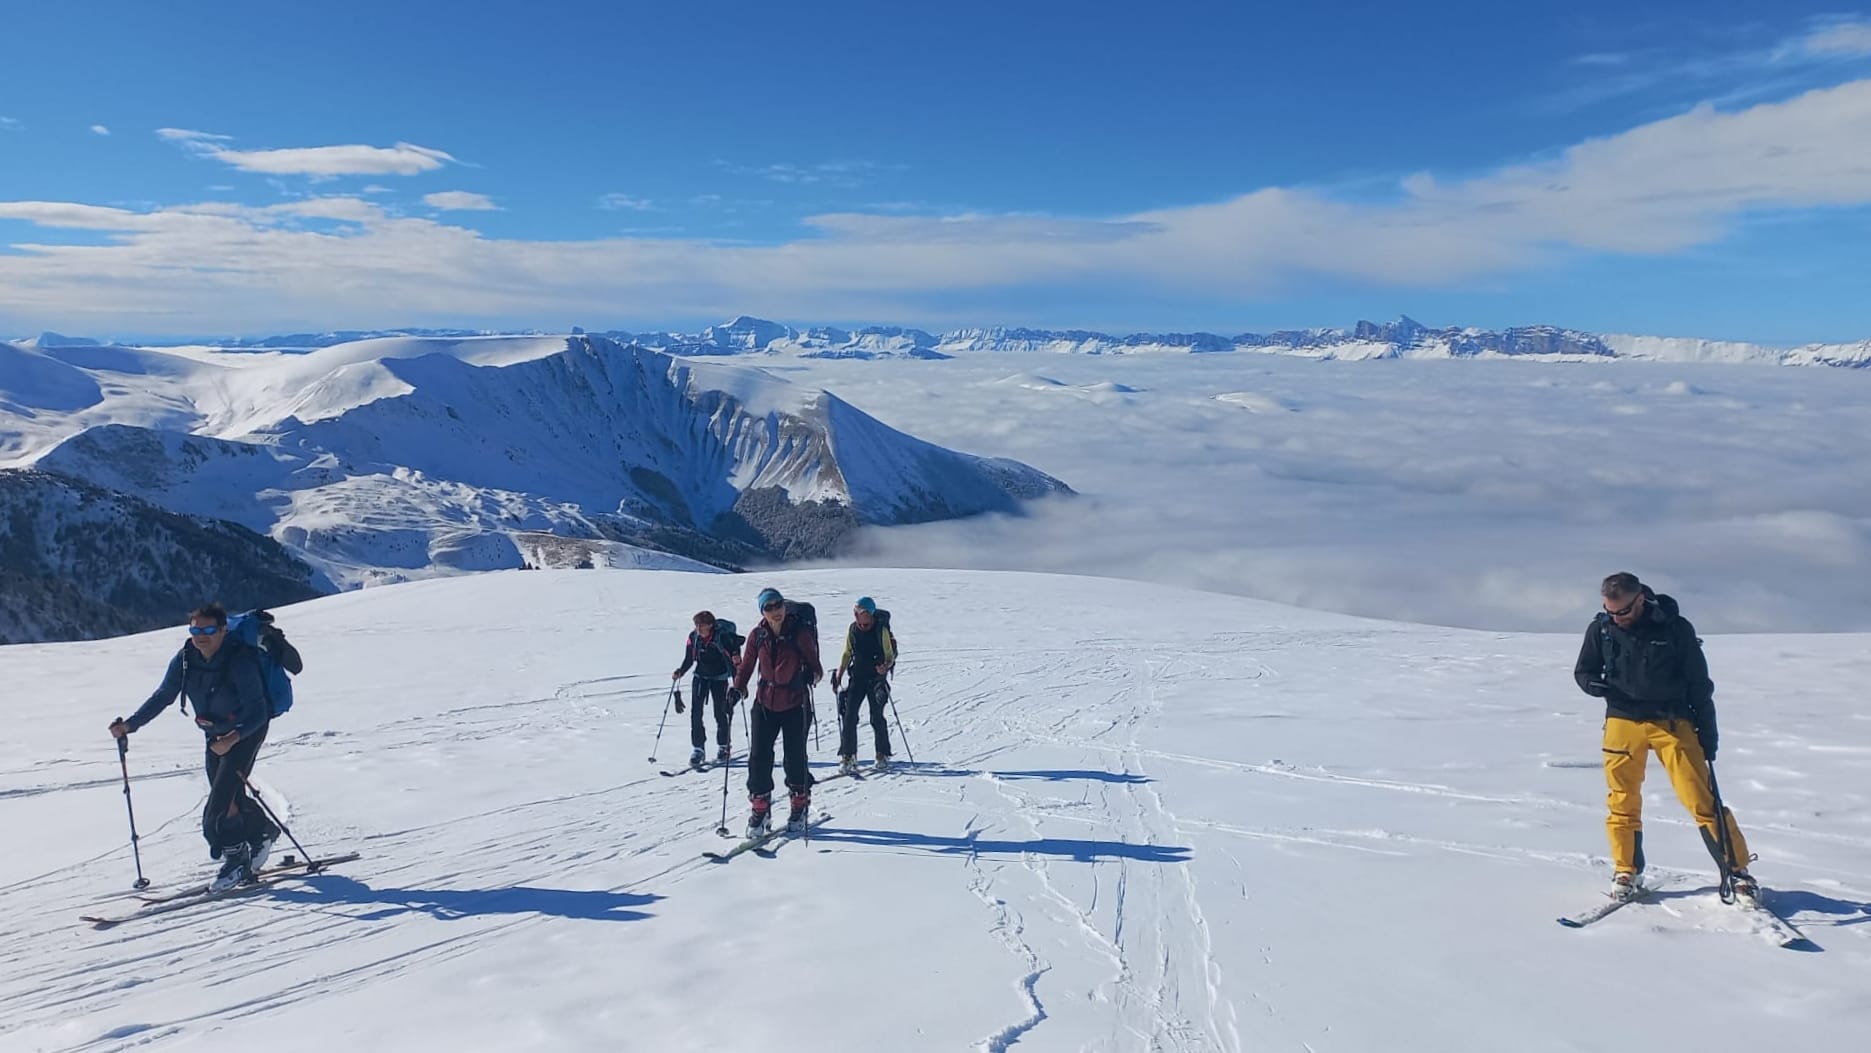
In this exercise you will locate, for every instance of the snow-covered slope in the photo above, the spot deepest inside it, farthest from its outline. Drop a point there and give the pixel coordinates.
(382, 459)
(1137, 818)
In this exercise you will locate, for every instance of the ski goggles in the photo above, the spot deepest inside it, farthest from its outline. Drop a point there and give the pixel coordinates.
(203, 630)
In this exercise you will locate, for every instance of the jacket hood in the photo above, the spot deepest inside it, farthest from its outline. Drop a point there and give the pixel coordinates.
(1664, 605)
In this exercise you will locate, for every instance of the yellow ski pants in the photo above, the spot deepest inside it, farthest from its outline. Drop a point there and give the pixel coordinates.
(1628, 745)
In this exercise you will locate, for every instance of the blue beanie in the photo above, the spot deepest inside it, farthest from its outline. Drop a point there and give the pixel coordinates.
(767, 596)
(865, 603)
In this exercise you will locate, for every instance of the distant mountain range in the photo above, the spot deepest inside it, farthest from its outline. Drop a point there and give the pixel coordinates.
(1401, 338)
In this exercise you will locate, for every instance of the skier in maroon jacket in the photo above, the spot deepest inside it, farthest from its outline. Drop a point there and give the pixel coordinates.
(784, 650)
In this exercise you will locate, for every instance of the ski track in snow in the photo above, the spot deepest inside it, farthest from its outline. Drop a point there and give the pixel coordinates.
(1134, 873)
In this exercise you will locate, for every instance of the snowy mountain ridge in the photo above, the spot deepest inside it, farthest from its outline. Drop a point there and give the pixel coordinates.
(402, 457)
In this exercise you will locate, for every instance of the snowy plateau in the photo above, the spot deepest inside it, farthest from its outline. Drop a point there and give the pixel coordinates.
(1137, 818)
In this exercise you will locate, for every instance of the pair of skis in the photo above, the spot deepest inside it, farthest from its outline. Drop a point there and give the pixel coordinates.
(182, 899)
(1768, 925)
(859, 773)
(771, 837)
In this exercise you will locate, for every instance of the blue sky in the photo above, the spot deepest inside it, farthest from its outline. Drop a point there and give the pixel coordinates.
(1698, 169)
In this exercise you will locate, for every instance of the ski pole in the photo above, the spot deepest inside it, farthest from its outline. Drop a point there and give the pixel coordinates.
(665, 720)
(891, 695)
(136, 853)
(812, 710)
(722, 829)
(1725, 890)
(311, 867)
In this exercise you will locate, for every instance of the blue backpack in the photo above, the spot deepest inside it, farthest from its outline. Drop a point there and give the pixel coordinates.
(277, 657)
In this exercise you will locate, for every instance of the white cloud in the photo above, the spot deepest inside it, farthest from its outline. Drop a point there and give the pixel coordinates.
(346, 209)
(1656, 189)
(1361, 494)
(11, 124)
(100, 129)
(626, 202)
(1809, 57)
(319, 162)
(460, 201)
(844, 174)
(187, 135)
(1840, 37)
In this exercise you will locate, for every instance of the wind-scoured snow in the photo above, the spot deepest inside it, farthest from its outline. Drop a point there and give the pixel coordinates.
(1138, 818)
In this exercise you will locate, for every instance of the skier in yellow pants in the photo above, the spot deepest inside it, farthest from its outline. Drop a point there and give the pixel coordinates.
(1643, 658)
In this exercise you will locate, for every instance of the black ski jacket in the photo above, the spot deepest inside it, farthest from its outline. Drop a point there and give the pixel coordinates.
(225, 692)
(1653, 670)
(711, 660)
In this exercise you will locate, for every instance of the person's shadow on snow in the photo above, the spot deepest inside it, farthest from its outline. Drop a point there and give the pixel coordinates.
(451, 904)
(1805, 901)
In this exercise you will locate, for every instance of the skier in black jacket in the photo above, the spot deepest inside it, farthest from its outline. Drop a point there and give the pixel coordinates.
(221, 680)
(869, 656)
(713, 659)
(1643, 658)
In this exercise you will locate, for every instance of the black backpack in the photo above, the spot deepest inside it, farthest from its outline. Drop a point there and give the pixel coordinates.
(882, 617)
(807, 616)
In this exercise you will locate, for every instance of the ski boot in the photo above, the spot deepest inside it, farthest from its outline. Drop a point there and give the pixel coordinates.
(760, 819)
(883, 762)
(801, 801)
(1745, 885)
(847, 764)
(1624, 886)
(696, 759)
(261, 850)
(236, 867)
(723, 754)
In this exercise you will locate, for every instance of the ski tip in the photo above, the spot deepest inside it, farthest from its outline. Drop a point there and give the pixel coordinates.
(1569, 923)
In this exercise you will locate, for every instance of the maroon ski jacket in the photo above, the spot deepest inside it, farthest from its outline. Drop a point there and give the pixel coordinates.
(787, 663)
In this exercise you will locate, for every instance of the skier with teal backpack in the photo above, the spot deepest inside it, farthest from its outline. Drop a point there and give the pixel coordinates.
(234, 672)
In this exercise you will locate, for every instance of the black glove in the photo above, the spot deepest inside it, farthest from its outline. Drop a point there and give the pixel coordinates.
(735, 695)
(678, 703)
(1709, 740)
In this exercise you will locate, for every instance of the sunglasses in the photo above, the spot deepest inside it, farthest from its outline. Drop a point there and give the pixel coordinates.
(1626, 609)
(775, 605)
(203, 630)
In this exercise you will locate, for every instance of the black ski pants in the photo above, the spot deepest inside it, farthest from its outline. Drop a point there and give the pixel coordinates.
(768, 726)
(717, 691)
(227, 784)
(850, 708)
